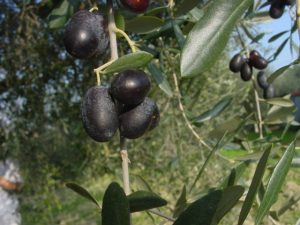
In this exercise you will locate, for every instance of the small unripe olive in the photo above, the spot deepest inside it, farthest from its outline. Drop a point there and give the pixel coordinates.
(269, 92)
(236, 63)
(246, 72)
(99, 114)
(262, 80)
(130, 87)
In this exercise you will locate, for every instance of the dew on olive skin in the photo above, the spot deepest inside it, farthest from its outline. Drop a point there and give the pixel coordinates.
(86, 34)
(99, 114)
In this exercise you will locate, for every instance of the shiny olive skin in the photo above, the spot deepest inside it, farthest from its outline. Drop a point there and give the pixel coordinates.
(130, 87)
(257, 61)
(246, 72)
(138, 120)
(262, 80)
(236, 63)
(276, 9)
(99, 114)
(269, 92)
(86, 34)
(136, 6)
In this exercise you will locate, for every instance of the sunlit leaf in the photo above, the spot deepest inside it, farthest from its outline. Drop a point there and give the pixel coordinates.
(275, 183)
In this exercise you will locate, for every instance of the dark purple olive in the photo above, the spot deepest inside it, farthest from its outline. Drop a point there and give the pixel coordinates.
(269, 92)
(262, 80)
(86, 34)
(99, 114)
(138, 120)
(276, 9)
(257, 61)
(130, 87)
(246, 72)
(236, 63)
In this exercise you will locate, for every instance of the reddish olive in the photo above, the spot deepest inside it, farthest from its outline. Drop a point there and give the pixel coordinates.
(130, 87)
(257, 61)
(137, 6)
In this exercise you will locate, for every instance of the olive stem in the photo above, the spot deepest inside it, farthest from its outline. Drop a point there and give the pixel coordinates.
(94, 8)
(112, 33)
(125, 163)
(298, 16)
(184, 115)
(155, 212)
(259, 117)
(129, 41)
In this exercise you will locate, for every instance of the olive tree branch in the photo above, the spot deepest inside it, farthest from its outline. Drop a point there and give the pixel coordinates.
(258, 110)
(298, 17)
(114, 55)
(184, 114)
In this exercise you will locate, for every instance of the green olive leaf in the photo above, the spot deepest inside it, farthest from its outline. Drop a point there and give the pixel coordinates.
(130, 61)
(209, 36)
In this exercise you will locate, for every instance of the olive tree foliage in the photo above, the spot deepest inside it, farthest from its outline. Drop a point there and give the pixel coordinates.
(203, 106)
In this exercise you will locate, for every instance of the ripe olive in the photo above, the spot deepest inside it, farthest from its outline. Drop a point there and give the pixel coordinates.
(86, 34)
(99, 114)
(257, 61)
(262, 80)
(130, 87)
(269, 92)
(246, 72)
(276, 9)
(137, 6)
(138, 120)
(236, 63)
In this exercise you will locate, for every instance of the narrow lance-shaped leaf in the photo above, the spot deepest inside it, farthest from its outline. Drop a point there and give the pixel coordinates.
(210, 35)
(201, 212)
(115, 207)
(275, 183)
(276, 36)
(230, 197)
(214, 112)
(144, 200)
(160, 79)
(181, 203)
(83, 192)
(144, 24)
(256, 182)
(133, 60)
(178, 34)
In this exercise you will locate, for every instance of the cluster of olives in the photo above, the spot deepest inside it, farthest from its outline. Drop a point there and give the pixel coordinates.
(244, 65)
(277, 7)
(240, 63)
(124, 105)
